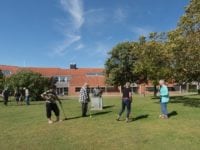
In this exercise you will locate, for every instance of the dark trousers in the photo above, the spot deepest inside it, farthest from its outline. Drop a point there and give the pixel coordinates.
(84, 109)
(52, 107)
(5, 100)
(126, 104)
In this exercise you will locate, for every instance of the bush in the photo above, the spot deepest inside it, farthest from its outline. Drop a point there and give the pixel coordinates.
(35, 82)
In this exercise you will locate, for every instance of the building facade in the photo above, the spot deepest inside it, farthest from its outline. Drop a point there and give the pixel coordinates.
(70, 81)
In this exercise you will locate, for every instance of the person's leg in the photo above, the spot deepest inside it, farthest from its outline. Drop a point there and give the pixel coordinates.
(56, 111)
(85, 107)
(128, 105)
(27, 100)
(17, 100)
(48, 112)
(122, 110)
(165, 112)
(82, 108)
(6, 101)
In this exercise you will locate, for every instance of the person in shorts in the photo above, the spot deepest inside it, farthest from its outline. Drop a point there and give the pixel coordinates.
(51, 97)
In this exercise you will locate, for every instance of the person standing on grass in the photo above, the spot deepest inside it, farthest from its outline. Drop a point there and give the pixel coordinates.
(27, 96)
(17, 95)
(5, 94)
(51, 97)
(84, 99)
(22, 95)
(164, 99)
(126, 101)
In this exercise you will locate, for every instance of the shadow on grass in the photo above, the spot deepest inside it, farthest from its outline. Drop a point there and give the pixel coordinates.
(140, 117)
(72, 118)
(100, 113)
(106, 107)
(173, 113)
(186, 101)
(94, 114)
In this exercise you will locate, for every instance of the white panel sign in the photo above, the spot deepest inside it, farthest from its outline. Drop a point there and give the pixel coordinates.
(96, 103)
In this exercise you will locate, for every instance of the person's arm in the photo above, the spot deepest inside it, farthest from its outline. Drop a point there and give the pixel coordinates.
(130, 95)
(81, 95)
(44, 94)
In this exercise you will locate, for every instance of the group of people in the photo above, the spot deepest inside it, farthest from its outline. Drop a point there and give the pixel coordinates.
(127, 100)
(20, 95)
(51, 97)
(84, 98)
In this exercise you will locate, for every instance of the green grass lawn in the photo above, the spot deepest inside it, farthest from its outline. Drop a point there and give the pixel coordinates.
(26, 128)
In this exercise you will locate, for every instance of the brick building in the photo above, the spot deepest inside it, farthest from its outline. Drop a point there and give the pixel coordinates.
(69, 80)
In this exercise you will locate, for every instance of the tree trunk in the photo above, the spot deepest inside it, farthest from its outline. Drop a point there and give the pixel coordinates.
(198, 88)
(155, 90)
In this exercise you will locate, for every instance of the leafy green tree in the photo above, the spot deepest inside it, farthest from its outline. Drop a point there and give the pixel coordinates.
(2, 80)
(153, 61)
(35, 82)
(118, 66)
(185, 43)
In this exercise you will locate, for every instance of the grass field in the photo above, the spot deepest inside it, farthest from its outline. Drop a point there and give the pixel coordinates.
(25, 127)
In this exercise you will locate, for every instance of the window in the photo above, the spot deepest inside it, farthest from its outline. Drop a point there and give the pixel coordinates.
(77, 89)
(6, 72)
(63, 79)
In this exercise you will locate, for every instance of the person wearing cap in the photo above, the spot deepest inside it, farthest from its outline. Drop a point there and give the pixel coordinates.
(84, 99)
(164, 99)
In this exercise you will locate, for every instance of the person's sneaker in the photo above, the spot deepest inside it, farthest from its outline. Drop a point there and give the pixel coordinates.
(127, 120)
(50, 122)
(59, 120)
(165, 117)
(161, 116)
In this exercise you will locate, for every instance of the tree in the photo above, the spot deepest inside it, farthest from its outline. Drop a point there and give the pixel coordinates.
(153, 59)
(2, 80)
(118, 66)
(33, 81)
(185, 43)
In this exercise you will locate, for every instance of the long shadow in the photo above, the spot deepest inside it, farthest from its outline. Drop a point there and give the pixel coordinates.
(94, 114)
(173, 113)
(109, 106)
(100, 113)
(140, 117)
(72, 118)
(186, 101)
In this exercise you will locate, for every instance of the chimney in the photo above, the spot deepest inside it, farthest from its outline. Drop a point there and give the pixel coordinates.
(73, 66)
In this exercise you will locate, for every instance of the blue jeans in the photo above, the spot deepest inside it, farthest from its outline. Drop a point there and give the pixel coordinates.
(126, 104)
(164, 108)
(27, 100)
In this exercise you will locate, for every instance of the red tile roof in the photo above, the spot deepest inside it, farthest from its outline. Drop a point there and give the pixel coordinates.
(78, 76)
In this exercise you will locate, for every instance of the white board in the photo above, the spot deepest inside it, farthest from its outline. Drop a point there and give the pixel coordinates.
(96, 103)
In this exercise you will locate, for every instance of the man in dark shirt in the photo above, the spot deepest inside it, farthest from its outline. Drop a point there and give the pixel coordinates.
(5, 96)
(126, 101)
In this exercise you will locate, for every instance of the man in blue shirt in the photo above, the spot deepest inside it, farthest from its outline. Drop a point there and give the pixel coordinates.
(164, 99)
